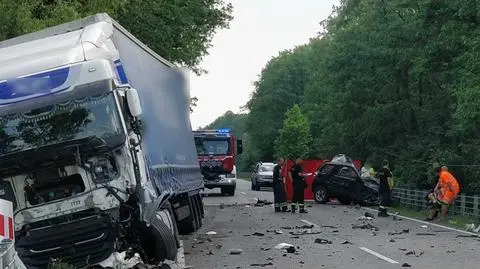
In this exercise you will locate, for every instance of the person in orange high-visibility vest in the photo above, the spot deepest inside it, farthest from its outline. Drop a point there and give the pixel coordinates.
(445, 193)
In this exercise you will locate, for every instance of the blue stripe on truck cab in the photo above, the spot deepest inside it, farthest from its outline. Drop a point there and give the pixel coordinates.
(42, 84)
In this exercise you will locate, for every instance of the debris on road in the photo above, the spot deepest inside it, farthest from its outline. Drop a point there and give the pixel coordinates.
(406, 265)
(346, 242)
(284, 246)
(258, 234)
(364, 218)
(404, 231)
(322, 241)
(265, 249)
(467, 236)
(369, 215)
(261, 203)
(424, 226)
(305, 232)
(427, 234)
(211, 233)
(236, 251)
(261, 264)
(329, 226)
(366, 226)
(415, 253)
(471, 228)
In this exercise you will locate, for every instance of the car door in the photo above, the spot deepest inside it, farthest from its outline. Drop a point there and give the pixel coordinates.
(345, 181)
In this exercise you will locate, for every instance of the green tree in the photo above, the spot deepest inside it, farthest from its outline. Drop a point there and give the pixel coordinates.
(280, 86)
(294, 139)
(180, 31)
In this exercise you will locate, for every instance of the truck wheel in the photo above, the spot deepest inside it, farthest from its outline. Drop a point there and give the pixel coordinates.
(231, 191)
(165, 244)
(320, 195)
(197, 210)
(189, 224)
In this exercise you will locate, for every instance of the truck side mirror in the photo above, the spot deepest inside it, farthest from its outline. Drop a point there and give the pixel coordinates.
(133, 101)
(239, 146)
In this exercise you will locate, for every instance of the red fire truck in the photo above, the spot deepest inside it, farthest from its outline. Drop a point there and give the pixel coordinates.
(216, 151)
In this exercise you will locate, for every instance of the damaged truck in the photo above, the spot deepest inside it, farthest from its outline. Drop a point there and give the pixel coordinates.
(96, 147)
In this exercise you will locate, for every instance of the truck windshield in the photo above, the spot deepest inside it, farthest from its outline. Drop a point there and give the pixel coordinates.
(215, 146)
(75, 119)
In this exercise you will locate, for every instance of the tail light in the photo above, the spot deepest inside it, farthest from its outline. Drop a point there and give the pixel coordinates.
(228, 164)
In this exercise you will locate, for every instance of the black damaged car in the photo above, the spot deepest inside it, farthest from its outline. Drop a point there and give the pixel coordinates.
(340, 179)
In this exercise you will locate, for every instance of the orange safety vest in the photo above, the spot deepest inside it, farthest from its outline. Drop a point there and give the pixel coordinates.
(448, 186)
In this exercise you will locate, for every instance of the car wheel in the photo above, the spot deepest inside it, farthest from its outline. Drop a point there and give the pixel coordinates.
(320, 195)
(345, 200)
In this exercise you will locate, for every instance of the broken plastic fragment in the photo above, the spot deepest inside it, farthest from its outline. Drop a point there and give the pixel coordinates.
(289, 248)
(236, 251)
(322, 241)
(211, 233)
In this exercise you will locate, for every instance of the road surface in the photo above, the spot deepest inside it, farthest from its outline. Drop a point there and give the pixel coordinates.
(238, 219)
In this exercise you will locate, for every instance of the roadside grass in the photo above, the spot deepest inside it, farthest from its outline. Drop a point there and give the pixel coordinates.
(453, 221)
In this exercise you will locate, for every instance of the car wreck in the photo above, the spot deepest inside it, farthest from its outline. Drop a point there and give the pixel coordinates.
(340, 179)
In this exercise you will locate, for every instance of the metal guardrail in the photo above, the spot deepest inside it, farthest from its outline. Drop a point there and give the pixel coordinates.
(8, 257)
(415, 199)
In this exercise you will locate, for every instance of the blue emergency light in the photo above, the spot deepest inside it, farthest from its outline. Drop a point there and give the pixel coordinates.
(223, 130)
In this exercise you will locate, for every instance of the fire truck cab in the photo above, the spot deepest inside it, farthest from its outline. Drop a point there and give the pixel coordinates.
(216, 151)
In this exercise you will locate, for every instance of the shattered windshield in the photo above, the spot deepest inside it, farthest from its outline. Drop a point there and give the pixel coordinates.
(75, 119)
(215, 146)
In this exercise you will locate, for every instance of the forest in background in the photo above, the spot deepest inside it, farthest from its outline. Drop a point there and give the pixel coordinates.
(395, 79)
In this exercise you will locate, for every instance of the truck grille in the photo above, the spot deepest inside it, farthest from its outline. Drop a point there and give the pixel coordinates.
(78, 242)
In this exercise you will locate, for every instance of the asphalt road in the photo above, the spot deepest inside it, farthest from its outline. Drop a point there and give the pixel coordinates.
(238, 219)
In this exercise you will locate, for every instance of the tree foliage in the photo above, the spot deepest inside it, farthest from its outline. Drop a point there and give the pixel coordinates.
(180, 31)
(294, 139)
(393, 79)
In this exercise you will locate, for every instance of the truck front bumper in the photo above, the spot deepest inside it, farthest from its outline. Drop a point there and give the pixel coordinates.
(219, 183)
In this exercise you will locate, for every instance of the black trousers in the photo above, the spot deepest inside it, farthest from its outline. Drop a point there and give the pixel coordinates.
(299, 193)
(386, 198)
(278, 194)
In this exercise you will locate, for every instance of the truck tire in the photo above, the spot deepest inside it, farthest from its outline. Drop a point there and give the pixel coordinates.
(164, 239)
(197, 211)
(191, 223)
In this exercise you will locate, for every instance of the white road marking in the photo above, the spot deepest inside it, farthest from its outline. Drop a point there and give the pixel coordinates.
(243, 193)
(378, 255)
(309, 223)
(429, 223)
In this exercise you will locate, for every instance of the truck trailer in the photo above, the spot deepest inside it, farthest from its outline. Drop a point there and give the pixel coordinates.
(96, 147)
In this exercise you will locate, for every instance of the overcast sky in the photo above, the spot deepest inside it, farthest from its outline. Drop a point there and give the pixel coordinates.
(260, 29)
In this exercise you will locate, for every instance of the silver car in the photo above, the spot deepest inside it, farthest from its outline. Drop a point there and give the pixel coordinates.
(262, 175)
